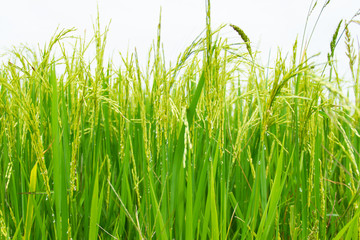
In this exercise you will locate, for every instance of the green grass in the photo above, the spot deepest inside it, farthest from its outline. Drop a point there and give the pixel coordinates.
(214, 146)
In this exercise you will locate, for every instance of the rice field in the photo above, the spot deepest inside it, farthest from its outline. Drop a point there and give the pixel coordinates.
(215, 146)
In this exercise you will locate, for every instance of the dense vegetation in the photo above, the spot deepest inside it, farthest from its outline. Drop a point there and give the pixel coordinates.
(214, 147)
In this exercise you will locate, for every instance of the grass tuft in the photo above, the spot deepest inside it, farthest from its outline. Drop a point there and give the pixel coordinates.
(214, 146)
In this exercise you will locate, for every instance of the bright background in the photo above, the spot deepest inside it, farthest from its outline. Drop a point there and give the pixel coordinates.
(268, 23)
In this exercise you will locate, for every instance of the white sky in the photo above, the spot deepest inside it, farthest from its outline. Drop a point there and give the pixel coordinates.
(268, 23)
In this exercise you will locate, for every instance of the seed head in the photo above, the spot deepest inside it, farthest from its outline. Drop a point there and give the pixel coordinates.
(243, 36)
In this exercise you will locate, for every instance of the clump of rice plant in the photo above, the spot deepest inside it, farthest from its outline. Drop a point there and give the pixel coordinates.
(214, 147)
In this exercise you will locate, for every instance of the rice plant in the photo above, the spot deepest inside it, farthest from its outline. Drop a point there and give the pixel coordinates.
(215, 146)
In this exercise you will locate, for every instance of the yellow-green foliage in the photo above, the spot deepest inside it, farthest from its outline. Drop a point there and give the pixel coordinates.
(213, 147)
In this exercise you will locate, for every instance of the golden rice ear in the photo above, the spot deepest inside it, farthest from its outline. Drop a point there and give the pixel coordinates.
(243, 36)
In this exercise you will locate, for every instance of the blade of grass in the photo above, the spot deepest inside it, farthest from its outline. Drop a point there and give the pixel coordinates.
(60, 191)
(31, 204)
